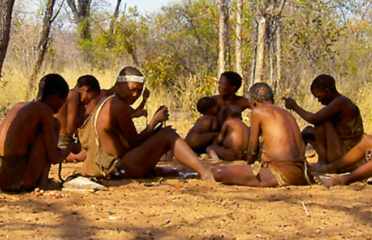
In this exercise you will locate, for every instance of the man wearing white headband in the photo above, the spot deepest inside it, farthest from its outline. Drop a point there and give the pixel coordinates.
(116, 150)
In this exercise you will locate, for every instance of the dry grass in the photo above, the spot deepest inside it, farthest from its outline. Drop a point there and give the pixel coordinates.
(15, 84)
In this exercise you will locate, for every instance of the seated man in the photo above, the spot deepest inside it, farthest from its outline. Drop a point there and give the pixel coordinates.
(29, 136)
(71, 115)
(229, 84)
(206, 127)
(116, 150)
(362, 150)
(283, 151)
(138, 112)
(337, 128)
(232, 142)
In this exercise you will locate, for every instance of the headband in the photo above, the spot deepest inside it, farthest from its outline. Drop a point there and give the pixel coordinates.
(131, 78)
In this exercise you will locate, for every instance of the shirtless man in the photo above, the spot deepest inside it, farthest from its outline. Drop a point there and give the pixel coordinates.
(206, 127)
(116, 150)
(138, 112)
(229, 84)
(29, 136)
(283, 151)
(72, 113)
(232, 142)
(337, 128)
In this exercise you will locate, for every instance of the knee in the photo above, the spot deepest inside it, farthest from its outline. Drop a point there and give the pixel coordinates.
(218, 174)
(308, 130)
(169, 132)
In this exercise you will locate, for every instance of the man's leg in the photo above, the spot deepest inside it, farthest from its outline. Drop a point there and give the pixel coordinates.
(243, 175)
(361, 173)
(216, 152)
(138, 161)
(37, 165)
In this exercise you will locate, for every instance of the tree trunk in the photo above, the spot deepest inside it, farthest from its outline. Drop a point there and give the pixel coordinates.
(6, 7)
(81, 14)
(114, 17)
(42, 47)
(222, 37)
(278, 55)
(260, 56)
(238, 43)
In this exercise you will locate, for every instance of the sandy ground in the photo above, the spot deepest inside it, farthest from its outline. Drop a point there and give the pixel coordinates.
(189, 209)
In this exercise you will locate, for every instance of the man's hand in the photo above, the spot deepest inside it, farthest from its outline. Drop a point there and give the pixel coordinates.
(289, 103)
(161, 115)
(369, 155)
(251, 158)
(146, 94)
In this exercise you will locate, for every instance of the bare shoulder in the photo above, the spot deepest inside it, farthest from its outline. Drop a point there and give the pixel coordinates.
(118, 106)
(72, 95)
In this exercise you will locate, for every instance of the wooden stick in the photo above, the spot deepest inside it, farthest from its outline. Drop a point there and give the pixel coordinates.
(303, 204)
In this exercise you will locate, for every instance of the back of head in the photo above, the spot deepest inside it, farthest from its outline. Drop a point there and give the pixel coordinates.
(323, 82)
(234, 79)
(205, 103)
(52, 84)
(261, 92)
(232, 111)
(89, 81)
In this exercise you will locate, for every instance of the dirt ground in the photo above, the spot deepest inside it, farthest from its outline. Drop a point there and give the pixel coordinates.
(189, 209)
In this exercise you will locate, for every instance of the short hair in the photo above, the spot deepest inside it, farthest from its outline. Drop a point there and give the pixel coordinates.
(130, 71)
(89, 81)
(323, 82)
(205, 103)
(52, 84)
(261, 92)
(234, 79)
(232, 111)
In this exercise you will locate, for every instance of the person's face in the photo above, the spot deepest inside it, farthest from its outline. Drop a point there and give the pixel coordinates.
(224, 87)
(87, 95)
(129, 91)
(323, 96)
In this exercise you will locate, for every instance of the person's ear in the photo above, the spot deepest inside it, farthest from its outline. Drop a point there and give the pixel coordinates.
(327, 91)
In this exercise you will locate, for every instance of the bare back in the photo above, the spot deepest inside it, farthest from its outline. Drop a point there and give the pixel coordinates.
(206, 123)
(21, 126)
(236, 135)
(280, 135)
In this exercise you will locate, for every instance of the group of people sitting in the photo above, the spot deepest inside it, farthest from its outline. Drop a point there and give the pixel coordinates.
(96, 126)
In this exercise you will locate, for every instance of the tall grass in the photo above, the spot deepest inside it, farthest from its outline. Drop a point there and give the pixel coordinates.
(182, 100)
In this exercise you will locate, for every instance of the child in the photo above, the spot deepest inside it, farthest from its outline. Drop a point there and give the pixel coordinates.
(206, 127)
(29, 136)
(283, 151)
(72, 113)
(232, 142)
(337, 128)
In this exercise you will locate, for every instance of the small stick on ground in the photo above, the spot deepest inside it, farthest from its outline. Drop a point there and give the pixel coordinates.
(303, 204)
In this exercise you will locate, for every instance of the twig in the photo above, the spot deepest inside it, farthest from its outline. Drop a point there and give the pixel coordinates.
(303, 204)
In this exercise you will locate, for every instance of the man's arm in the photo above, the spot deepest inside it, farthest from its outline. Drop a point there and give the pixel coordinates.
(91, 105)
(324, 114)
(53, 154)
(72, 103)
(254, 139)
(222, 134)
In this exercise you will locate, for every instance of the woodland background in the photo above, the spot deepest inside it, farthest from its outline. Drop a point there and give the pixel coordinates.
(183, 47)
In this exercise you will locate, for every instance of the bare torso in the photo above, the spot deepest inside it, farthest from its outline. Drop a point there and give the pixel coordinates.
(236, 136)
(242, 102)
(348, 111)
(93, 103)
(281, 137)
(20, 127)
(206, 123)
(63, 113)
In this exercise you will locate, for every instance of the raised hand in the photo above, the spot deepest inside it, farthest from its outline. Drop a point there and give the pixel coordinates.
(161, 115)
(289, 103)
(146, 94)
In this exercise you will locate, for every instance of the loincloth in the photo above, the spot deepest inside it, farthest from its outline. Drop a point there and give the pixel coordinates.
(290, 172)
(64, 141)
(12, 173)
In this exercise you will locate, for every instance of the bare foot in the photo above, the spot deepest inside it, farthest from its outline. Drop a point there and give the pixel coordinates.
(326, 181)
(50, 184)
(207, 176)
